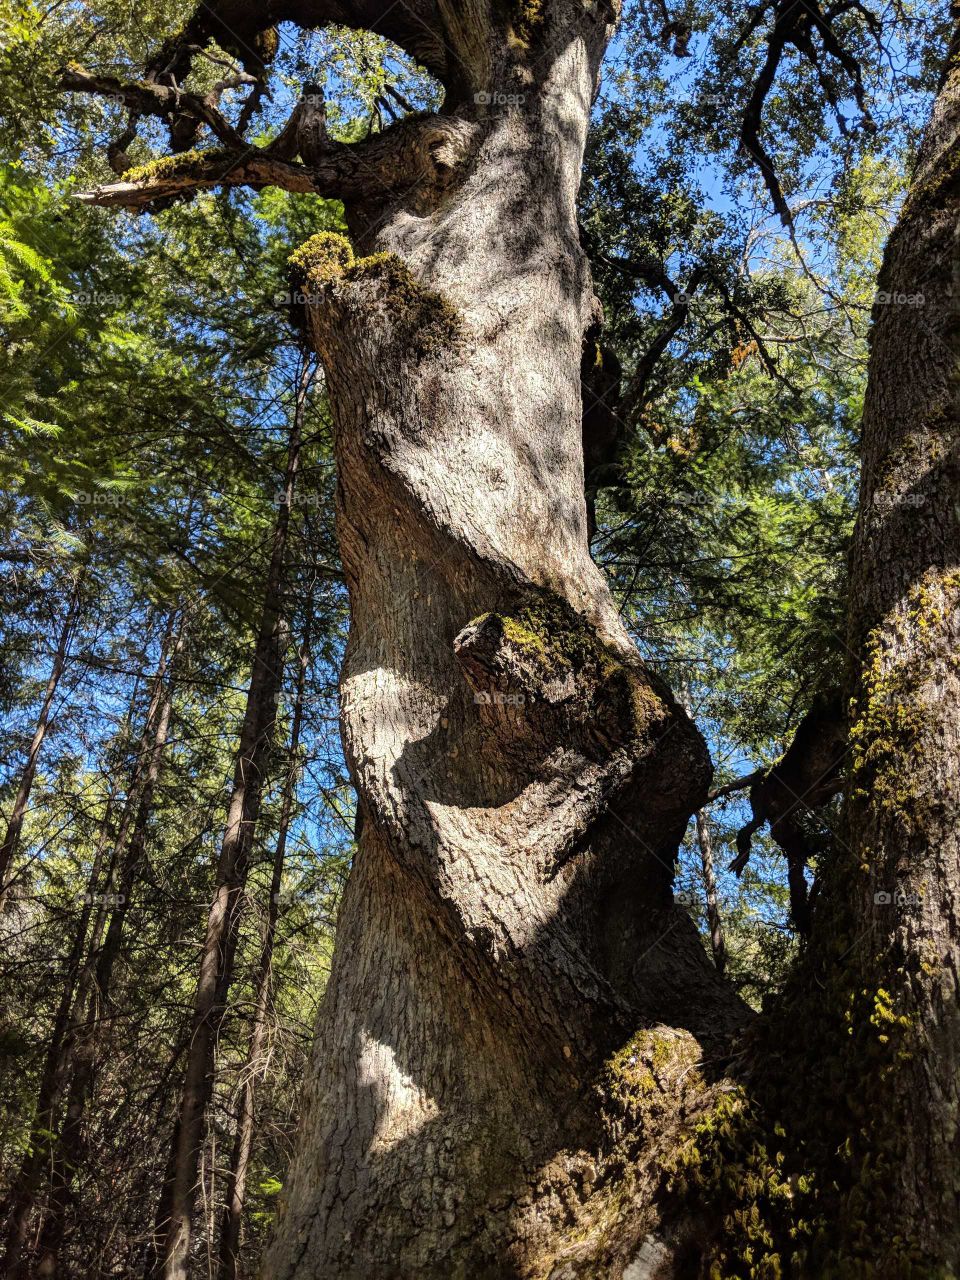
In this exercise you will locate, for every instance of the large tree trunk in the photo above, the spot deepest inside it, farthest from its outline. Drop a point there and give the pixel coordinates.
(523, 781)
(174, 1225)
(11, 839)
(903, 822)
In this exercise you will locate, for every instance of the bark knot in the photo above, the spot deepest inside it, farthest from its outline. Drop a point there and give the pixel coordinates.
(422, 320)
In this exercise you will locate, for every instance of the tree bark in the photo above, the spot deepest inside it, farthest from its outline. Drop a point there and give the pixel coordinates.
(11, 839)
(254, 1066)
(705, 841)
(903, 822)
(174, 1224)
(523, 781)
(705, 845)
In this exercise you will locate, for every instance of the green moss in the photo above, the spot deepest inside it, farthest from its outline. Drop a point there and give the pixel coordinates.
(528, 19)
(322, 258)
(524, 20)
(428, 322)
(427, 316)
(188, 164)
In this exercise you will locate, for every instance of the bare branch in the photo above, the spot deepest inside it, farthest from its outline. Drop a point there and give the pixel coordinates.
(149, 99)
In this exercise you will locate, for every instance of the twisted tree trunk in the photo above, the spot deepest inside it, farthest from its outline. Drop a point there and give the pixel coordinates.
(523, 781)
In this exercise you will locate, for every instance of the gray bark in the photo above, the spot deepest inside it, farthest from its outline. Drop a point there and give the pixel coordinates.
(523, 781)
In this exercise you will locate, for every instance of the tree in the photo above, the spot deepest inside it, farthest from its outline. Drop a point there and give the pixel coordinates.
(523, 780)
(11, 838)
(177, 1201)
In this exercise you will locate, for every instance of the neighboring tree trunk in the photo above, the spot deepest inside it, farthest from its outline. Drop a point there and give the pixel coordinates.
(11, 839)
(523, 781)
(68, 1151)
(232, 1220)
(705, 841)
(177, 1203)
(903, 822)
(837, 1151)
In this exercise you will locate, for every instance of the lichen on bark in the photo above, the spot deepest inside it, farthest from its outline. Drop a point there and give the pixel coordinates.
(425, 320)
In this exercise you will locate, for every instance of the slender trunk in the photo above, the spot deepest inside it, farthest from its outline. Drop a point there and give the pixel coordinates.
(232, 1219)
(524, 781)
(11, 839)
(72, 1007)
(705, 841)
(705, 844)
(69, 1150)
(174, 1223)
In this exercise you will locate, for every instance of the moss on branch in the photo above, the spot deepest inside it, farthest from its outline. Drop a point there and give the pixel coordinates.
(192, 165)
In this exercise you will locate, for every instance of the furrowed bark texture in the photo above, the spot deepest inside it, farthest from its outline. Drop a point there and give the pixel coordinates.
(904, 815)
(523, 781)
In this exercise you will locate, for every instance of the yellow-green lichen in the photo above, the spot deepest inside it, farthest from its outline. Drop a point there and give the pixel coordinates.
(322, 258)
(428, 322)
(187, 164)
(893, 709)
